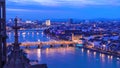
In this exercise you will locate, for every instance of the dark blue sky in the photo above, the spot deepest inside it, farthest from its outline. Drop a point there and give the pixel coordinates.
(59, 9)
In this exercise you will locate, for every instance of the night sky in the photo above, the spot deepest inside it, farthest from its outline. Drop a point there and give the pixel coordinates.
(60, 9)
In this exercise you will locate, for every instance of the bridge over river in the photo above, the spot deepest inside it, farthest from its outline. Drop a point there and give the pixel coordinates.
(51, 43)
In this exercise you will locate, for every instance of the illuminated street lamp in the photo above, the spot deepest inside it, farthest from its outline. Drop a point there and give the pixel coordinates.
(104, 47)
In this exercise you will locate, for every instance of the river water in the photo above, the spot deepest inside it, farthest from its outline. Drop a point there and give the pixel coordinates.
(64, 57)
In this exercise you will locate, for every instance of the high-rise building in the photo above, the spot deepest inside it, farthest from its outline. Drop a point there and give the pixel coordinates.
(47, 23)
(70, 21)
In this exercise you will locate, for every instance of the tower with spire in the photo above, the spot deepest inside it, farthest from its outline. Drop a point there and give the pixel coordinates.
(17, 58)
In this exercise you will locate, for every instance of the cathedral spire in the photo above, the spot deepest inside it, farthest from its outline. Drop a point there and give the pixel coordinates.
(16, 42)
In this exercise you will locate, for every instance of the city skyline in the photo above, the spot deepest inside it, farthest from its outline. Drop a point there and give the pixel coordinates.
(78, 9)
(59, 34)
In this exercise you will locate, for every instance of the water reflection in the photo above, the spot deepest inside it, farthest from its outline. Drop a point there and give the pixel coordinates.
(88, 51)
(102, 57)
(72, 58)
(82, 50)
(30, 36)
(94, 53)
(64, 57)
(39, 53)
(108, 57)
(37, 33)
(111, 57)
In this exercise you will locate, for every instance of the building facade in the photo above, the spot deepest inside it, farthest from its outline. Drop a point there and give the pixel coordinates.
(2, 33)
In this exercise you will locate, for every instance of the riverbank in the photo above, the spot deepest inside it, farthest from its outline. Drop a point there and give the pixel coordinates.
(102, 51)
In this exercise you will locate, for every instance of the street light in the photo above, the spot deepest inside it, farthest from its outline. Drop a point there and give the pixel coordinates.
(104, 45)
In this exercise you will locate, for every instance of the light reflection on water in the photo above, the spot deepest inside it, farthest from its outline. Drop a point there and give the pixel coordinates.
(71, 57)
(28, 36)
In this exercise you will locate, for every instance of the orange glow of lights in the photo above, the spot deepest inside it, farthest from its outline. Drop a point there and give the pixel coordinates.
(111, 57)
(102, 55)
(39, 53)
(47, 50)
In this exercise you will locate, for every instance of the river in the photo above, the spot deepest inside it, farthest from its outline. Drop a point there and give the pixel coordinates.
(64, 57)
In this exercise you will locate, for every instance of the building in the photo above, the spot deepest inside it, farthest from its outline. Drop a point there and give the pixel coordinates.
(76, 38)
(17, 57)
(47, 23)
(28, 21)
(2, 33)
(70, 21)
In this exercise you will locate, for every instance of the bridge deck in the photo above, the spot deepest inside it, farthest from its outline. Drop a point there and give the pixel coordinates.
(45, 43)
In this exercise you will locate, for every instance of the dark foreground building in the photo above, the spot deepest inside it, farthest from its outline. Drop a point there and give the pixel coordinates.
(2, 33)
(16, 58)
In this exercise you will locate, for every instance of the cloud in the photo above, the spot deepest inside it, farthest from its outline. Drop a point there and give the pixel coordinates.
(31, 10)
(37, 2)
(68, 2)
(19, 10)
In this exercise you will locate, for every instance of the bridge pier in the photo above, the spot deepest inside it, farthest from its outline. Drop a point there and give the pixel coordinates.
(51, 46)
(67, 45)
(39, 46)
(61, 45)
(72, 45)
(26, 47)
